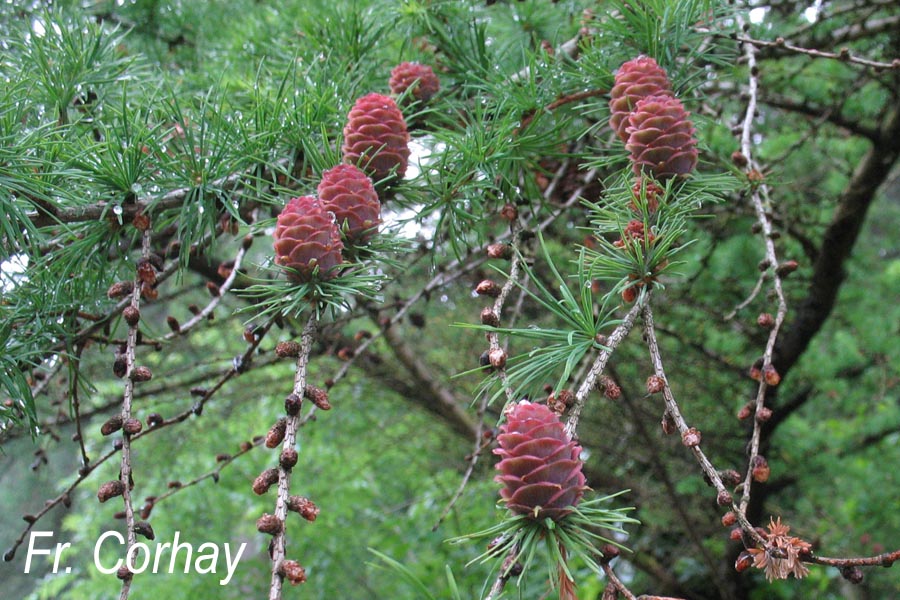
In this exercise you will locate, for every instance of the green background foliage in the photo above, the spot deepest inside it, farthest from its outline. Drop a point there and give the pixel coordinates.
(109, 102)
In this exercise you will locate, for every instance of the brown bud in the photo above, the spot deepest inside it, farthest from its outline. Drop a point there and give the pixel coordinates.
(112, 425)
(120, 289)
(729, 519)
(148, 292)
(269, 524)
(264, 481)
(143, 528)
(173, 324)
(139, 374)
(318, 396)
(213, 289)
(655, 384)
(499, 250)
(225, 268)
(760, 470)
(736, 534)
(745, 411)
(765, 320)
(771, 376)
(668, 424)
(629, 294)
(852, 574)
(154, 420)
(288, 459)
(132, 426)
(124, 573)
(345, 353)
(222, 457)
(755, 373)
(609, 552)
(489, 317)
(287, 349)
(610, 388)
(245, 446)
(173, 485)
(361, 335)
(141, 221)
(724, 498)
(509, 212)
(764, 414)
(497, 356)
(292, 571)
(691, 437)
(276, 433)
(304, 506)
(131, 315)
(488, 288)
(786, 268)
(145, 272)
(247, 242)
(292, 404)
(110, 489)
(730, 477)
(739, 160)
(743, 562)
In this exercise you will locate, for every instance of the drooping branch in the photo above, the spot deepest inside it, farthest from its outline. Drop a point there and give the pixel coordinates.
(284, 471)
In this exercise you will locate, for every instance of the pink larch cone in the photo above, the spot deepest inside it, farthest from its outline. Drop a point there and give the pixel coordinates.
(661, 138)
(348, 193)
(375, 137)
(422, 77)
(540, 468)
(306, 237)
(636, 79)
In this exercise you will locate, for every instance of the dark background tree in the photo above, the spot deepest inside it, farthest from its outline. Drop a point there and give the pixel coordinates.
(208, 117)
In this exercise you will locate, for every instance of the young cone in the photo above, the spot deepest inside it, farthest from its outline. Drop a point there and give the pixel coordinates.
(635, 80)
(425, 83)
(376, 138)
(540, 468)
(306, 237)
(349, 194)
(661, 138)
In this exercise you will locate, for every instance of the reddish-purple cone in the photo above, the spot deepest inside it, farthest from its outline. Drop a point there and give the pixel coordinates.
(661, 138)
(540, 470)
(635, 80)
(349, 194)
(376, 138)
(407, 74)
(306, 237)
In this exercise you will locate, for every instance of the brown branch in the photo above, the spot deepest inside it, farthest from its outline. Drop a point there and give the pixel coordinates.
(844, 55)
(125, 473)
(284, 473)
(885, 559)
(831, 115)
(759, 191)
(614, 339)
(674, 413)
(53, 215)
(504, 575)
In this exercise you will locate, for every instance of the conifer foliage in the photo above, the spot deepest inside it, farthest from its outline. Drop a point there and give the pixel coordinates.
(291, 273)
